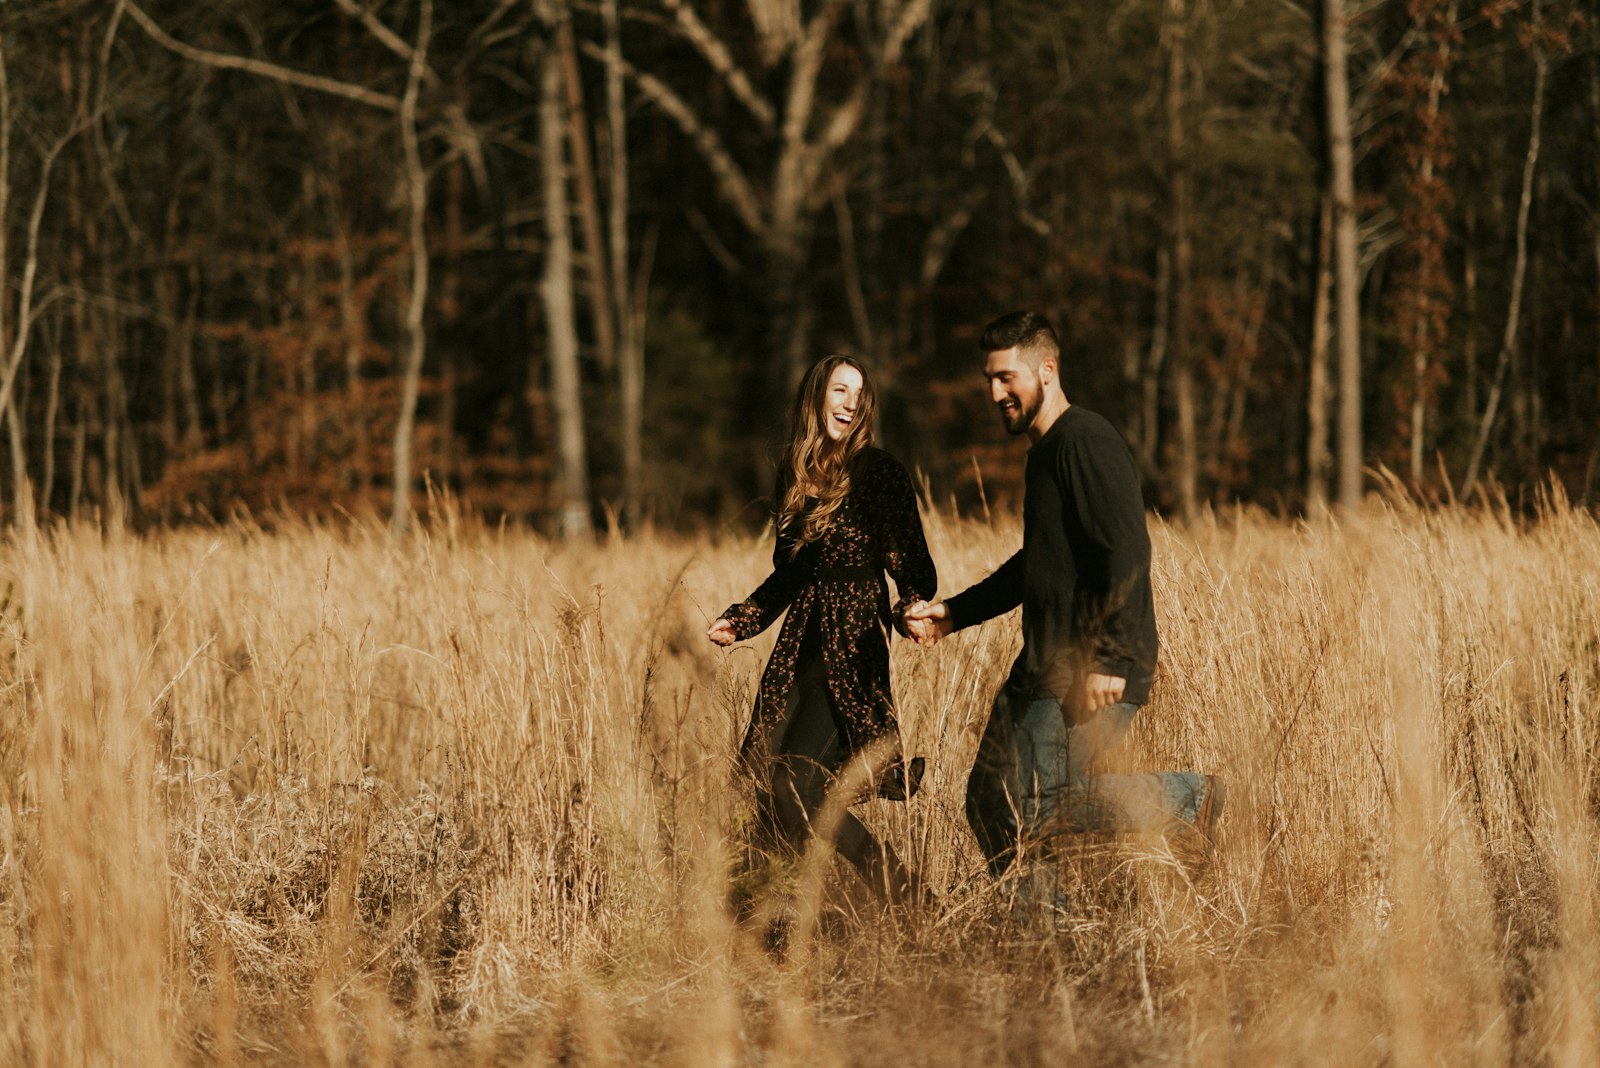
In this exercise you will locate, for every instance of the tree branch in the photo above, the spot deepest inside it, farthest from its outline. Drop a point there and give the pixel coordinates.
(721, 60)
(223, 61)
(806, 67)
(387, 37)
(801, 162)
(841, 123)
(1020, 180)
(777, 24)
(735, 186)
(909, 22)
(30, 265)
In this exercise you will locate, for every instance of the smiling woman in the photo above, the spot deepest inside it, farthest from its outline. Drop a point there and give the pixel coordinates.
(829, 428)
(846, 515)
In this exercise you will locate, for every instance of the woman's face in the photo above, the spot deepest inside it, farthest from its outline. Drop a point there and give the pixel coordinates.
(840, 401)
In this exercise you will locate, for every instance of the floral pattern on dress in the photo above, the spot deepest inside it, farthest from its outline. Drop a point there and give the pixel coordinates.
(836, 584)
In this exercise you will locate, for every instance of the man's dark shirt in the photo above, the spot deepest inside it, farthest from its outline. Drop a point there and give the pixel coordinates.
(1083, 573)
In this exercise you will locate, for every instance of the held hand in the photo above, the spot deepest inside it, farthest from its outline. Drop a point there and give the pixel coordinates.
(721, 633)
(927, 623)
(1100, 691)
(921, 631)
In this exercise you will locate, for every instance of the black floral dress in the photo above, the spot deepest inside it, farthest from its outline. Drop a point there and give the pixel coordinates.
(838, 605)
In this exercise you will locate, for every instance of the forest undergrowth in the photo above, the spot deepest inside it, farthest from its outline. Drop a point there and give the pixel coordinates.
(301, 794)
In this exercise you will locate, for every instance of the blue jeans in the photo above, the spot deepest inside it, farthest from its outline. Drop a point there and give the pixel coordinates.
(1032, 779)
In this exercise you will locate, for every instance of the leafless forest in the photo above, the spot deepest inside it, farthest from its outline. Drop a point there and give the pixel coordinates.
(565, 259)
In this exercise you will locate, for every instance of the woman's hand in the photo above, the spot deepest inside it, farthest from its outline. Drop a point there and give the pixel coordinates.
(927, 623)
(721, 633)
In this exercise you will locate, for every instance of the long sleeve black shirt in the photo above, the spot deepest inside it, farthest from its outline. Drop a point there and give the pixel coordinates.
(1083, 573)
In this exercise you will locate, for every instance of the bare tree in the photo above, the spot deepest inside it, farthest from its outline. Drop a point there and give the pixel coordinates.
(26, 283)
(1181, 245)
(629, 312)
(802, 136)
(1347, 270)
(1423, 313)
(416, 330)
(555, 288)
(601, 305)
(1319, 388)
(1519, 272)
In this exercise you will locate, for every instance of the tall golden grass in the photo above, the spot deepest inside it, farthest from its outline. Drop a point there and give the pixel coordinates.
(307, 796)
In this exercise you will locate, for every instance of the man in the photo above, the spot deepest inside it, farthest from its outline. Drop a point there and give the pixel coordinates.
(1088, 623)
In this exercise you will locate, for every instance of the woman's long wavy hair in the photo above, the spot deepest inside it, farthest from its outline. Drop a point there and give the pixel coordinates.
(813, 464)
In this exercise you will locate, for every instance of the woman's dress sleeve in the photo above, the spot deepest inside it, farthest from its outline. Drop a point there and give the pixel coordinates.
(905, 549)
(789, 573)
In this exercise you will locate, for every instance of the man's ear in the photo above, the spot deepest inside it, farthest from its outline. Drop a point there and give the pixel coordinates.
(1049, 370)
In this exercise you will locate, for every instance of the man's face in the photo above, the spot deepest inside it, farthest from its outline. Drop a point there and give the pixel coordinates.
(1014, 387)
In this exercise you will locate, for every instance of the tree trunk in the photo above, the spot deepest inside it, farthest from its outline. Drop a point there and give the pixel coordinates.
(1532, 415)
(5, 193)
(167, 295)
(1426, 342)
(555, 289)
(417, 196)
(448, 312)
(789, 342)
(80, 457)
(83, 487)
(188, 385)
(630, 317)
(602, 310)
(1182, 241)
(1155, 363)
(52, 406)
(130, 470)
(1594, 118)
(1319, 390)
(22, 508)
(1469, 308)
(1508, 340)
(352, 330)
(112, 497)
(1347, 276)
(1227, 437)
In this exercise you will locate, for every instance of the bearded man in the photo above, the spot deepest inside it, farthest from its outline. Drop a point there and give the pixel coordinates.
(1089, 638)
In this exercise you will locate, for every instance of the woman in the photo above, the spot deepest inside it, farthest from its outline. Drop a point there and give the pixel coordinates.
(846, 514)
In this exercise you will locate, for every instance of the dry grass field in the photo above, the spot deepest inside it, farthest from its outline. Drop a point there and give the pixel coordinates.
(305, 796)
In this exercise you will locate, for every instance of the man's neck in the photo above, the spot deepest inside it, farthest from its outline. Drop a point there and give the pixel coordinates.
(1054, 405)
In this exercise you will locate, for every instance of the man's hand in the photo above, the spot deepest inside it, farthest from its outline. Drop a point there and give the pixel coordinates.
(927, 623)
(1101, 691)
(721, 633)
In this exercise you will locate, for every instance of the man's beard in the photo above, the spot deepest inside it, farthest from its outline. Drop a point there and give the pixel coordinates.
(1023, 418)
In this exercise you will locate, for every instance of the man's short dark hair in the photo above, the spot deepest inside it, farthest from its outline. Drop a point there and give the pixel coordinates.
(1028, 332)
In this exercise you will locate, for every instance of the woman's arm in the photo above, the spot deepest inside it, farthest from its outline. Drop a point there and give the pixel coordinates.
(747, 618)
(905, 548)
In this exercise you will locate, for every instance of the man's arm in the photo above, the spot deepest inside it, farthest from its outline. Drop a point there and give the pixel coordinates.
(993, 596)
